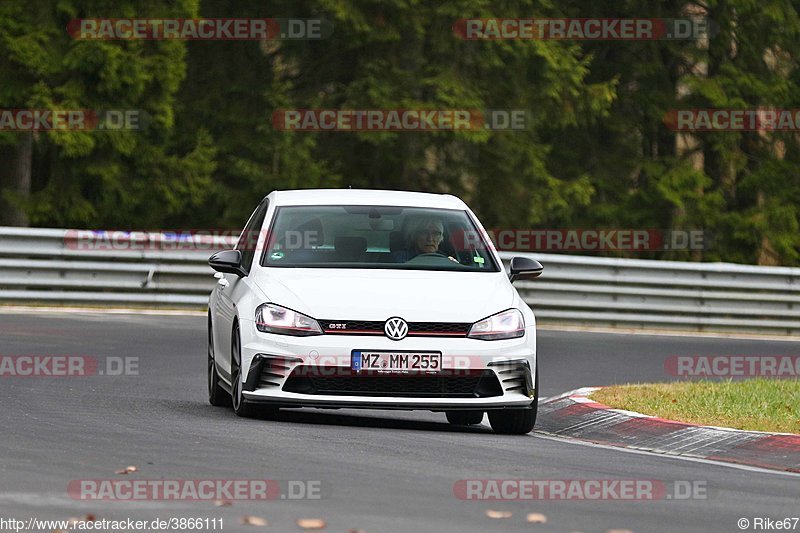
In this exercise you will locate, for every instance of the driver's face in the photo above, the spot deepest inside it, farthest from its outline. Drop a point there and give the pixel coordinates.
(428, 238)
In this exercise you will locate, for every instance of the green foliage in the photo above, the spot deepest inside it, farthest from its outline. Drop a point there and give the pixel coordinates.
(597, 152)
(92, 178)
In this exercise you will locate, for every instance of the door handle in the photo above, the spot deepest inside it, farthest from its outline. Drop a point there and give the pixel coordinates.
(223, 283)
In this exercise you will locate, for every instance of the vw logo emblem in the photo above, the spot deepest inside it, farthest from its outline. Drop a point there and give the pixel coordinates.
(396, 328)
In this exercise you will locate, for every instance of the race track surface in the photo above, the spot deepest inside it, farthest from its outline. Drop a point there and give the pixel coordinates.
(380, 471)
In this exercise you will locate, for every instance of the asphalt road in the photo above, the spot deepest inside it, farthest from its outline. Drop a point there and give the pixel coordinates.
(379, 471)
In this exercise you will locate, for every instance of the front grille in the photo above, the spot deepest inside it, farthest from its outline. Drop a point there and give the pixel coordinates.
(375, 327)
(438, 328)
(470, 384)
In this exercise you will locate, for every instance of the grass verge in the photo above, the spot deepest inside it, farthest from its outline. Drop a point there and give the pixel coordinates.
(754, 404)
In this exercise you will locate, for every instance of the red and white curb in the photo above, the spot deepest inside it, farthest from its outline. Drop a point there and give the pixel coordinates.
(576, 416)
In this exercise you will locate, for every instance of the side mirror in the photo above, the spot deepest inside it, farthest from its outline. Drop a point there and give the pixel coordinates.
(524, 268)
(228, 261)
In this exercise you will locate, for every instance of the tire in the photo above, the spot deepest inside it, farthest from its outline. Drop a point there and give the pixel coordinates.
(241, 406)
(513, 421)
(516, 421)
(464, 418)
(217, 396)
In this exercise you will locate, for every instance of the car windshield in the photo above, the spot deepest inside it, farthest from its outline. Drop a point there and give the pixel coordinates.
(410, 238)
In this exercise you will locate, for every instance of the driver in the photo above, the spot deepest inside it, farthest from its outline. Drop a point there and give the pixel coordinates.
(424, 236)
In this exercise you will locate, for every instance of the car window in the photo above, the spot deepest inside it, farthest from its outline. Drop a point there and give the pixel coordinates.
(376, 237)
(249, 237)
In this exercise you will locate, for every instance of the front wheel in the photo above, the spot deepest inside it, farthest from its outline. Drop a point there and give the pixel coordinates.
(217, 396)
(240, 405)
(517, 421)
(513, 421)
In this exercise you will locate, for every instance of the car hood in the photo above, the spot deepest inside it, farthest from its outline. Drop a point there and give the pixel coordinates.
(415, 295)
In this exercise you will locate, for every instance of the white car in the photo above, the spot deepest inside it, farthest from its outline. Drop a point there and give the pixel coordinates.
(372, 299)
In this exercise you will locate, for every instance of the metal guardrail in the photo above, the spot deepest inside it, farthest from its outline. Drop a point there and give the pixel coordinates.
(50, 267)
(633, 293)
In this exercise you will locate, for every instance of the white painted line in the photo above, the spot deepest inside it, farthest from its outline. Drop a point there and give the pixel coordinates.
(632, 414)
(748, 468)
(51, 499)
(568, 393)
(582, 395)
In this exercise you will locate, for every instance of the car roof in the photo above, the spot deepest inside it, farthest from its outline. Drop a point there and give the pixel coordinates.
(365, 197)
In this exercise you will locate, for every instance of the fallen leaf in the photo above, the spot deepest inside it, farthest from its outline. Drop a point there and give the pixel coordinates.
(223, 503)
(253, 521)
(498, 514)
(311, 523)
(127, 470)
(536, 518)
(73, 521)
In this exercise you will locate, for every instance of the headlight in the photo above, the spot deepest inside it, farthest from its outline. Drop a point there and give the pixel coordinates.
(271, 318)
(506, 325)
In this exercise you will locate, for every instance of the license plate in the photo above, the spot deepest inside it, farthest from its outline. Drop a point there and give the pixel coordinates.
(396, 361)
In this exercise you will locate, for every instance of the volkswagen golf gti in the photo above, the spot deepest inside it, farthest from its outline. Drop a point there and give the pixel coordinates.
(372, 299)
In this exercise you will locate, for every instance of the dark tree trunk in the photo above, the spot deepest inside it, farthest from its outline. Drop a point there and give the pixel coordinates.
(15, 178)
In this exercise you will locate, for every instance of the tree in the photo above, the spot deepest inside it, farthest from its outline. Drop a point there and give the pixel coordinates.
(96, 178)
(390, 55)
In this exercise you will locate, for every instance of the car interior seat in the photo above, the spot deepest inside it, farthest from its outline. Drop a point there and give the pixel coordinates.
(349, 249)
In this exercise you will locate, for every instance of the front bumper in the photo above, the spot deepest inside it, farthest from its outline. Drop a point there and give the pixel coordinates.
(399, 404)
(315, 372)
